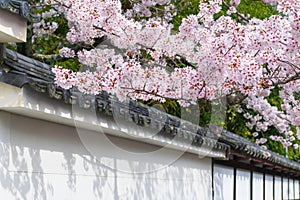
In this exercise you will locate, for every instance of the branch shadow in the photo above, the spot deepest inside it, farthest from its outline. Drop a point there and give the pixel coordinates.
(41, 160)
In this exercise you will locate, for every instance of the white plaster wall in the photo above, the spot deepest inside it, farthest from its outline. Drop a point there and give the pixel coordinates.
(13, 28)
(242, 184)
(223, 182)
(285, 188)
(296, 189)
(278, 188)
(291, 189)
(258, 186)
(43, 160)
(269, 187)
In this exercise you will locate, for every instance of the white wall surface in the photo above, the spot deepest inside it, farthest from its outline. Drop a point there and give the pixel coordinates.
(242, 184)
(296, 189)
(223, 182)
(43, 160)
(12, 27)
(258, 186)
(285, 188)
(269, 187)
(291, 189)
(278, 188)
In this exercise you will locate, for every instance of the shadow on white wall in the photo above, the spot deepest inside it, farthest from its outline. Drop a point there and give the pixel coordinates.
(43, 160)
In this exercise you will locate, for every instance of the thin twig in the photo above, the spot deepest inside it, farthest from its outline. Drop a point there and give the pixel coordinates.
(238, 14)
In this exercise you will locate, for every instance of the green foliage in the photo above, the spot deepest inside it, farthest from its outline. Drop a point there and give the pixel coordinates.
(204, 112)
(184, 8)
(50, 44)
(252, 8)
(46, 47)
(274, 98)
(170, 106)
(72, 63)
(256, 8)
(236, 123)
(293, 154)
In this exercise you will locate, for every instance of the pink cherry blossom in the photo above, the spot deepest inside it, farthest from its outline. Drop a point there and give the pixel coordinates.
(226, 58)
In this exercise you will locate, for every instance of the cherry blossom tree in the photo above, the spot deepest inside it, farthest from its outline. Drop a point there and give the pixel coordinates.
(236, 56)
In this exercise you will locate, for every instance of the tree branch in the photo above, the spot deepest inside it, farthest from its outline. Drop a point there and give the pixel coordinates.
(238, 14)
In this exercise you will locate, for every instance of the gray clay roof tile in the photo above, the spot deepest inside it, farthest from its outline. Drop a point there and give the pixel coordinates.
(19, 7)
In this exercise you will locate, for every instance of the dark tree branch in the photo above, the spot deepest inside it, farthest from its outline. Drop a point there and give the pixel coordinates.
(238, 14)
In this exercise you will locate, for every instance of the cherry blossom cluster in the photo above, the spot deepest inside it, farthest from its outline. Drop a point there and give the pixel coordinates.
(44, 27)
(66, 78)
(143, 8)
(225, 58)
(67, 52)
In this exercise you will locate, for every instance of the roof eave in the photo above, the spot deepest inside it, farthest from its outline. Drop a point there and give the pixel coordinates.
(26, 102)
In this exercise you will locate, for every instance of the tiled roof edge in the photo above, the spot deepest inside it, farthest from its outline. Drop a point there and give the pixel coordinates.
(22, 70)
(19, 7)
